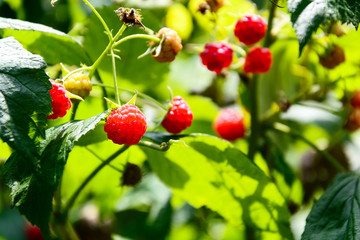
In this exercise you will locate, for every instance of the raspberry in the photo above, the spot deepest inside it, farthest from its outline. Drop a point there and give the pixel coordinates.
(229, 125)
(60, 101)
(355, 100)
(258, 60)
(353, 121)
(333, 58)
(33, 232)
(132, 175)
(216, 56)
(171, 45)
(250, 29)
(179, 117)
(78, 84)
(125, 125)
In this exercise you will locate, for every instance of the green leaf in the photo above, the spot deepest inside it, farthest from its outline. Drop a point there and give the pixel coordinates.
(24, 97)
(337, 213)
(308, 15)
(54, 46)
(207, 171)
(32, 191)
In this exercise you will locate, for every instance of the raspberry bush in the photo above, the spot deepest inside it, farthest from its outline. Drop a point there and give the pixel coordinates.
(264, 126)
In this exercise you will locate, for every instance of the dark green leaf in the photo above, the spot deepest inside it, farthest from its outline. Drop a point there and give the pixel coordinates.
(24, 97)
(54, 46)
(337, 213)
(207, 171)
(32, 191)
(308, 15)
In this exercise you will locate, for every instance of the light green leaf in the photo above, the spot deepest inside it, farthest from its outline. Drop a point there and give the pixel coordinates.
(207, 171)
(337, 213)
(54, 46)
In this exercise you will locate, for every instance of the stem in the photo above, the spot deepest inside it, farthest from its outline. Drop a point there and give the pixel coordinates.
(279, 127)
(98, 157)
(73, 113)
(255, 123)
(142, 95)
(75, 71)
(143, 36)
(162, 147)
(113, 60)
(90, 177)
(268, 37)
(107, 49)
(100, 18)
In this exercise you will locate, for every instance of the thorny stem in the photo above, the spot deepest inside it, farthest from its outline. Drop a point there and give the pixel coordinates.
(282, 128)
(100, 18)
(134, 36)
(142, 95)
(108, 48)
(113, 60)
(162, 147)
(98, 157)
(72, 199)
(255, 124)
(254, 92)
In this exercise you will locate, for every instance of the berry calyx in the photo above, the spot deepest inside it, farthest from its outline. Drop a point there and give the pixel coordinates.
(125, 125)
(333, 58)
(258, 60)
(179, 116)
(132, 175)
(217, 56)
(355, 100)
(78, 84)
(229, 125)
(170, 47)
(250, 29)
(60, 101)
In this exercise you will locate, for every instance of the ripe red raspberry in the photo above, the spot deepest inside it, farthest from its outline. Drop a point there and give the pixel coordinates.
(333, 58)
(355, 100)
(78, 84)
(60, 101)
(179, 117)
(126, 125)
(229, 125)
(258, 60)
(353, 120)
(250, 29)
(217, 56)
(171, 45)
(33, 232)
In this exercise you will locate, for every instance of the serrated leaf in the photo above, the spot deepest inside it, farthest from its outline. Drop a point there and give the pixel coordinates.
(54, 46)
(32, 191)
(308, 15)
(207, 171)
(24, 97)
(336, 215)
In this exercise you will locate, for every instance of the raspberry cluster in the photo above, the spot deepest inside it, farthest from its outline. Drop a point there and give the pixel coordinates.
(258, 60)
(179, 116)
(60, 101)
(250, 29)
(217, 56)
(229, 125)
(126, 125)
(170, 47)
(78, 84)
